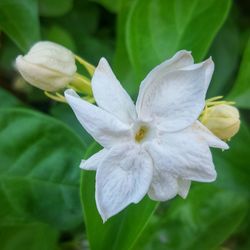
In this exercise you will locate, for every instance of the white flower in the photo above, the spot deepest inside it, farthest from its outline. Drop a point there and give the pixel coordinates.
(48, 66)
(156, 147)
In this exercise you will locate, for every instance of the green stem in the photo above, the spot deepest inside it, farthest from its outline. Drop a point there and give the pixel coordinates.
(81, 84)
(89, 67)
(58, 97)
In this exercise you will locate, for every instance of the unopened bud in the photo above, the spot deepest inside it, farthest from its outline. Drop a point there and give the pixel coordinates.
(47, 66)
(222, 120)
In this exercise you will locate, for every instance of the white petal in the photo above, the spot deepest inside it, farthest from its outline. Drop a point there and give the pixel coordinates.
(183, 155)
(103, 126)
(110, 95)
(181, 59)
(122, 178)
(94, 161)
(176, 98)
(163, 187)
(183, 187)
(208, 136)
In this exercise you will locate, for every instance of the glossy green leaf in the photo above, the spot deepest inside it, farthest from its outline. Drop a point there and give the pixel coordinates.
(19, 20)
(122, 230)
(39, 173)
(8, 54)
(241, 90)
(7, 100)
(225, 52)
(121, 64)
(204, 220)
(233, 165)
(54, 8)
(65, 114)
(157, 29)
(35, 236)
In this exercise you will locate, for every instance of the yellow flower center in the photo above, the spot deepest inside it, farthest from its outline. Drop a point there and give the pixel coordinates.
(141, 133)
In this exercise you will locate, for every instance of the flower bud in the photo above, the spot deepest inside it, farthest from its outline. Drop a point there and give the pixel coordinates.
(222, 120)
(47, 66)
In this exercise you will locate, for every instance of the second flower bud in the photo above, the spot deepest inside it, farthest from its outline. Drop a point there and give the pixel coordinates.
(48, 66)
(223, 120)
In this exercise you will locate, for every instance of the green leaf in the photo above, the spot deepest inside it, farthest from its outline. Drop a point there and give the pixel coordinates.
(121, 63)
(241, 90)
(122, 230)
(65, 114)
(19, 20)
(204, 220)
(8, 52)
(7, 100)
(225, 52)
(54, 8)
(39, 173)
(157, 29)
(35, 236)
(233, 165)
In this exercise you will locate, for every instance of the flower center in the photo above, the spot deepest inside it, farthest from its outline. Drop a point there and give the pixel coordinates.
(141, 133)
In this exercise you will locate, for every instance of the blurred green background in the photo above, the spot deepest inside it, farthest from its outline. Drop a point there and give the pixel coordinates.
(41, 143)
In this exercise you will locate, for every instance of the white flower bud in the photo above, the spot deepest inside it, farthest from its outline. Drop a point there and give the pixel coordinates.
(223, 120)
(47, 66)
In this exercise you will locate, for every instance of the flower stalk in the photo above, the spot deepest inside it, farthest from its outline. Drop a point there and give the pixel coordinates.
(55, 96)
(89, 67)
(81, 84)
